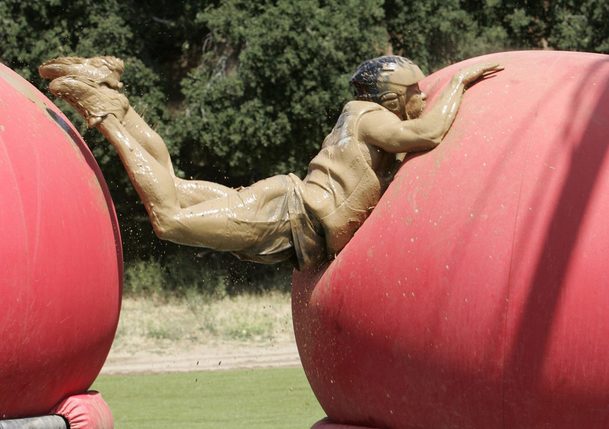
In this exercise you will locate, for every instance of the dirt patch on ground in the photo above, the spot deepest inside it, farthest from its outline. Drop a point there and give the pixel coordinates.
(205, 358)
(160, 335)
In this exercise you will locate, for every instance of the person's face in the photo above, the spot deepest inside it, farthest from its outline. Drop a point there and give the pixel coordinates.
(414, 102)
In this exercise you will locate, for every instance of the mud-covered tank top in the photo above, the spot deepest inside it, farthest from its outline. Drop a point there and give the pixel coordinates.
(342, 187)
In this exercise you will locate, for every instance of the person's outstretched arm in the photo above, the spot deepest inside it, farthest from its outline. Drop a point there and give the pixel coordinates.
(385, 130)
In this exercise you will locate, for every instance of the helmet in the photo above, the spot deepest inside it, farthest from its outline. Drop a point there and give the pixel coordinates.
(388, 74)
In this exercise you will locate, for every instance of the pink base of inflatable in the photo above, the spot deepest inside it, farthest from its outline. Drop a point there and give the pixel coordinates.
(326, 424)
(477, 293)
(85, 411)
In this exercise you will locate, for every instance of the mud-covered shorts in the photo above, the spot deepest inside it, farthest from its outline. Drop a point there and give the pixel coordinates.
(273, 212)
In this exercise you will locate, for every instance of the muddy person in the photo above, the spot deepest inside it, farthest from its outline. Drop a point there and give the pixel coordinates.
(282, 217)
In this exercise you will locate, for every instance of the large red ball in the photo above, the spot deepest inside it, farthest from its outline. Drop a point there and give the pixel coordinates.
(477, 293)
(60, 255)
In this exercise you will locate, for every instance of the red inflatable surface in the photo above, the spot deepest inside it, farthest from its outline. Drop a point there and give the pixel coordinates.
(60, 253)
(477, 293)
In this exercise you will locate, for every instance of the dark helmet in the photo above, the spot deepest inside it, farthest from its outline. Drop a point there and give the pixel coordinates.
(378, 76)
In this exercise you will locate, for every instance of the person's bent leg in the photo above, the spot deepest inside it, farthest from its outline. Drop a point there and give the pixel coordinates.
(102, 76)
(152, 181)
(95, 102)
(206, 224)
(190, 192)
(150, 140)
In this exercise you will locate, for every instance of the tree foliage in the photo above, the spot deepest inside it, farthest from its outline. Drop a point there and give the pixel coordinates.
(241, 90)
(273, 76)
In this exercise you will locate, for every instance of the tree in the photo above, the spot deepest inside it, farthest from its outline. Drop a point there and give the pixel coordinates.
(582, 25)
(437, 33)
(273, 77)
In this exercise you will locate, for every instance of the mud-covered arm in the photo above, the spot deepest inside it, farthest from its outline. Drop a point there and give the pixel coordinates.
(387, 131)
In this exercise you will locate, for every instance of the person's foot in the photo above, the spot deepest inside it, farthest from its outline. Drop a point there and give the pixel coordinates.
(92, 100)
(106, 70)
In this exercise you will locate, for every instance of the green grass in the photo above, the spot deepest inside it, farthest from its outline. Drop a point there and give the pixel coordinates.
(241, 399)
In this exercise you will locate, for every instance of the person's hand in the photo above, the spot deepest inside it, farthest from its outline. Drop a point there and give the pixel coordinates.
(469, 75)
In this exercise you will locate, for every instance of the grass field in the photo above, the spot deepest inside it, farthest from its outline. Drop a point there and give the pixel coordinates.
(241, 399)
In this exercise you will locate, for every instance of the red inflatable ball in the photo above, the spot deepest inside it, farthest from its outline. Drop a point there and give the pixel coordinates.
(477, 293)
(61, 269)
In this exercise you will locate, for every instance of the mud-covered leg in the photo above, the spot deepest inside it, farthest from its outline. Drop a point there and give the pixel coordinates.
(190, 192)
(206, 224)
(150, 140)
(96, 101)
(91, 85)
(152, 181)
